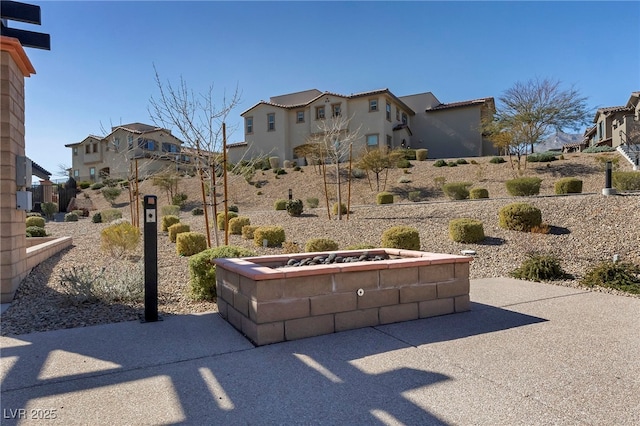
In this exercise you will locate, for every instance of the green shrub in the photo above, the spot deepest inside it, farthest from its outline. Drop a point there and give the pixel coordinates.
(456, 190)
(452, 164)
(384, 198)
(273, 234)
(170, 210)
(109, 215)
(198, 211)
(439, 163)
(120, 238)
(540, 267)
(401, 237)
(519, 217)
(461, 161)
(35, 221)
(220, 219)
(439, 181)
(97, 185)
(49, 209)
(473, 162)
(79, 212)
(71, 217)
(234, 208)
(280, 204)
(497, 160)
(202, 272)
(297, 168)
(621, 276)
(477, 193)
(524, 186)
(415, 196)
(320, 244)
(179, 199)
(403, 163)
(247, 232)
(542, 157)
(111, 193)
(236, 224)
(421, 154)
(343, 208)
(33, 214)
(177, 228)
(279, 172)
(84, 184)
(190, 243)
(294, 207)
(360, 246)
(97, 218)
(167, 221)
(568, 186)
(313, 202)
(289, 247)
(358, 173)
(626, 181)
(465, 230)
(36, 231)
(409, 154)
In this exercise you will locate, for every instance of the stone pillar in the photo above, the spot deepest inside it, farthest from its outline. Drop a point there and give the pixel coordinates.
(47, 191)
(14, 67)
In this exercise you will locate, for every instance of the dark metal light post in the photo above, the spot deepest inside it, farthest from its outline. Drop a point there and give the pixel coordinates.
(290, 194)
(150, 259)
(608, 190)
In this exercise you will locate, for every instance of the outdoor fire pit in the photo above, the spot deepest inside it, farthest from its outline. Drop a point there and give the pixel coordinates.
(271, 299)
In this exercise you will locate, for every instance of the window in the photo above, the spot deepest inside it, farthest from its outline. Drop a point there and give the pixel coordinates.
(388, 111)
(95, 147)
(336, 110)
(372, 140)
(389, 141)
(249, 124)
(600, 131)
(116, 143)
(76, 173)
(397, 114)
(130, 141)
(271, 121)
(169, 147)
(300, 117)
(373, 105)
(404, 118)
(75, 150)
(320, 113)
(147, 144)
(92, 172)
(87, 149)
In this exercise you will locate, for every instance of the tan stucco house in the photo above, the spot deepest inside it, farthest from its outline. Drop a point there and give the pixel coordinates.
(113, 155)
(276, 127)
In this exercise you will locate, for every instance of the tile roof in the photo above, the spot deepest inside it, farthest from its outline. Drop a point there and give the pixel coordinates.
(461, 104)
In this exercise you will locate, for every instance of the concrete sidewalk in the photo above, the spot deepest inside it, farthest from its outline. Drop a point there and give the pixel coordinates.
(527, 353)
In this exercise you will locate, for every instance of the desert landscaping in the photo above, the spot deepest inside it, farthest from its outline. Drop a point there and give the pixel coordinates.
(584, 229)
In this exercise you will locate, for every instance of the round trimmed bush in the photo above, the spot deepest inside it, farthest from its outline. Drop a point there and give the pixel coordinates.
(237, 223)
(273, 234)
(36, 231)
(343, 208)
(439, 163)
(465, 230)
(294, 207)
(401, 237)
(97, 218)
(35, 221)
(177, 228)
(384, 198)
(421, 154)
(477, 193)
(202, 272)
(320, 244)
(198, 211)
(456, 190)
(220, 219)
(280, 204)
(167, 221)
(568, 186)
(497, 160)
(190, 243)
(247, 232)
(524, 186)
(71, 217)
(519, 217)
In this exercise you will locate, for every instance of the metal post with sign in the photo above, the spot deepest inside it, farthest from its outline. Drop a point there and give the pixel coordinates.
(150, 206)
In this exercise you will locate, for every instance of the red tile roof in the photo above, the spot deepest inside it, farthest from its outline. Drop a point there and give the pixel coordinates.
(460, 104)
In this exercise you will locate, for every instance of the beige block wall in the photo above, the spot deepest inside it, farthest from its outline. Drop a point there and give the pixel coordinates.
(13, 245)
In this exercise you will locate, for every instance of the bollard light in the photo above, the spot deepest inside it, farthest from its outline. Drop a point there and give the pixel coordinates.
(290, 194)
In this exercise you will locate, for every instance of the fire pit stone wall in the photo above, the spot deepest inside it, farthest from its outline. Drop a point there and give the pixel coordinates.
(270, 303)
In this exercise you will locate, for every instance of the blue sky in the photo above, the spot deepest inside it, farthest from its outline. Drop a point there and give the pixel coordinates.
(99, 71)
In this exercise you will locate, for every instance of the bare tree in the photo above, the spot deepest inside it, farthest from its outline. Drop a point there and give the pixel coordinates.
(334, 139)
(534, 109)
(200, 124)
(379, 160)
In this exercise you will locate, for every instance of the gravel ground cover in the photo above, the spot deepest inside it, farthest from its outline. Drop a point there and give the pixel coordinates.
(585, 229)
